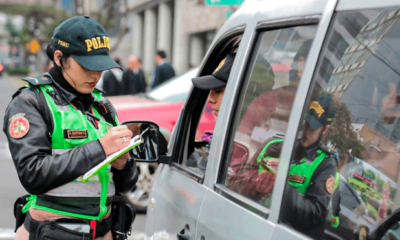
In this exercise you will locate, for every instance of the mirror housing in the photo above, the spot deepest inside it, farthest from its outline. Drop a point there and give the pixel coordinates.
(154, 143)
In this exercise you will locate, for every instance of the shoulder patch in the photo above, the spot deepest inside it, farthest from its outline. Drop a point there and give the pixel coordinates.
(38, 80)
(19, 126)
(330, 185)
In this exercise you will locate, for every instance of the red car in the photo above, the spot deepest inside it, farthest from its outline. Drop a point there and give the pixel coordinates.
(161, 105)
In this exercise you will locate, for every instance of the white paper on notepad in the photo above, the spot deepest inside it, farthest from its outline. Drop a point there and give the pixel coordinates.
(134, 142)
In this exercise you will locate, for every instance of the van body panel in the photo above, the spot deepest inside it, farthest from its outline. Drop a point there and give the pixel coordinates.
(284, 232)
(222, 219)
(178, 201)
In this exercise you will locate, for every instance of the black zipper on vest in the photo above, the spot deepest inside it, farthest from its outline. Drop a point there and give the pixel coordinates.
(91, 117)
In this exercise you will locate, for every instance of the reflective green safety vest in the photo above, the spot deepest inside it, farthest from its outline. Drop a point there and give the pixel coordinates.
(300, 173)
(68, 118)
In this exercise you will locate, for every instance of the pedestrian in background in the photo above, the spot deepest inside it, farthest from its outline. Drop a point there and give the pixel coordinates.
(133, 81)
(58, 128)
(163, 71)
(112, 79)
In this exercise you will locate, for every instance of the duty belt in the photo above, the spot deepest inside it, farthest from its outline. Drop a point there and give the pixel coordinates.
(32, 226)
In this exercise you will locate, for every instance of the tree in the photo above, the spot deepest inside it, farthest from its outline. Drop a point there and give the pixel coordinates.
(40, 21)
(341, 134)
(111, 17)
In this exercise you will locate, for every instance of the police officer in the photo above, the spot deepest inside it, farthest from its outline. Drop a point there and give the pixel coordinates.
(312, 177)
(59, 127)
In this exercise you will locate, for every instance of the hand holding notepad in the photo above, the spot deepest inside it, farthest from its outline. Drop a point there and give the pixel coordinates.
(134, 142)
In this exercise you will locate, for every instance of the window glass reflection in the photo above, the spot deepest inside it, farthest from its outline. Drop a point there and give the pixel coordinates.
(360, 69)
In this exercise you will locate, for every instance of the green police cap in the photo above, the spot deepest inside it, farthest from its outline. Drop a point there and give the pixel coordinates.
(86, 41)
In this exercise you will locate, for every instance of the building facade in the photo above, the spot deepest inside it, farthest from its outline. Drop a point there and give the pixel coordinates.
(184, 29)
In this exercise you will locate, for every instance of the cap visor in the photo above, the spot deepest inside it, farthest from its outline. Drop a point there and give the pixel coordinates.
(312, 121)
(96, 63)
(208, 82)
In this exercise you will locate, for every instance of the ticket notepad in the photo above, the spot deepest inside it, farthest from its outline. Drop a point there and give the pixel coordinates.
(134, 142)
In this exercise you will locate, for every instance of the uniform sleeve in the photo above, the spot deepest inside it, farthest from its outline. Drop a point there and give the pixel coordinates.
(38, 170)
(311, 207)
(125, 180)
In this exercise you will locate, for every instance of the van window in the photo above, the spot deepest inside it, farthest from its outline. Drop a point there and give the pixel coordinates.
(359, 70)
(264, 109)
(210, 99)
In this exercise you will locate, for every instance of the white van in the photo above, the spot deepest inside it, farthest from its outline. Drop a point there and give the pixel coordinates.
(351, 52)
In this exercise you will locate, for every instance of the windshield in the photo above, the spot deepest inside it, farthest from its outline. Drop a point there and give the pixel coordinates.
(174, 90)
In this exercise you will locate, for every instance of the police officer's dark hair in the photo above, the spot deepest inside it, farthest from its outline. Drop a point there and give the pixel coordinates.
(162, 54)
(50, 53)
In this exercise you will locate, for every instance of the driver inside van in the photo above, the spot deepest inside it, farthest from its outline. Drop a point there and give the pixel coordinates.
(217, 84)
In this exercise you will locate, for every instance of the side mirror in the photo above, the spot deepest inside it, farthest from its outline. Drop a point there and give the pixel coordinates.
(154, 143)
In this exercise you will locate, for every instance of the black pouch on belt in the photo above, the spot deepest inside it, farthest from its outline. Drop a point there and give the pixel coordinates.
(55, 231)
(65, 228)
(123, 216)
(19, 216)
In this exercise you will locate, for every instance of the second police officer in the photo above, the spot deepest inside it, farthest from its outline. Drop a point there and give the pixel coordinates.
(312, 177)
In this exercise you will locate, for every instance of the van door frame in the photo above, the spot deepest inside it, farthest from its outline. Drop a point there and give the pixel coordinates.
(238, 71)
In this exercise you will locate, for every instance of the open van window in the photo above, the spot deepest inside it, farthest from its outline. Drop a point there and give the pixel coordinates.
(207, 105)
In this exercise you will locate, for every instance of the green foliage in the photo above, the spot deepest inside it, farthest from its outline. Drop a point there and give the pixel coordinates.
(370, 174)
(363, 197)
(19, 71)
(373, 203)
(39, 14)
(372, 212)
(28, 9)
(341, 133)
(49, 28)
(11, 29)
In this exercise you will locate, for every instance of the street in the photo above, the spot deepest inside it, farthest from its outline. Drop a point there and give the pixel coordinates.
(11, 188)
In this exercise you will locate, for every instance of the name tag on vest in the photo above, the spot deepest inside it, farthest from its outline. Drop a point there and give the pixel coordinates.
(75, 134)
(296, 178)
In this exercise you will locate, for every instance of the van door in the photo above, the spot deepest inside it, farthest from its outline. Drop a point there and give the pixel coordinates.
(359, 67)
(178, 191)
(238, 206)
